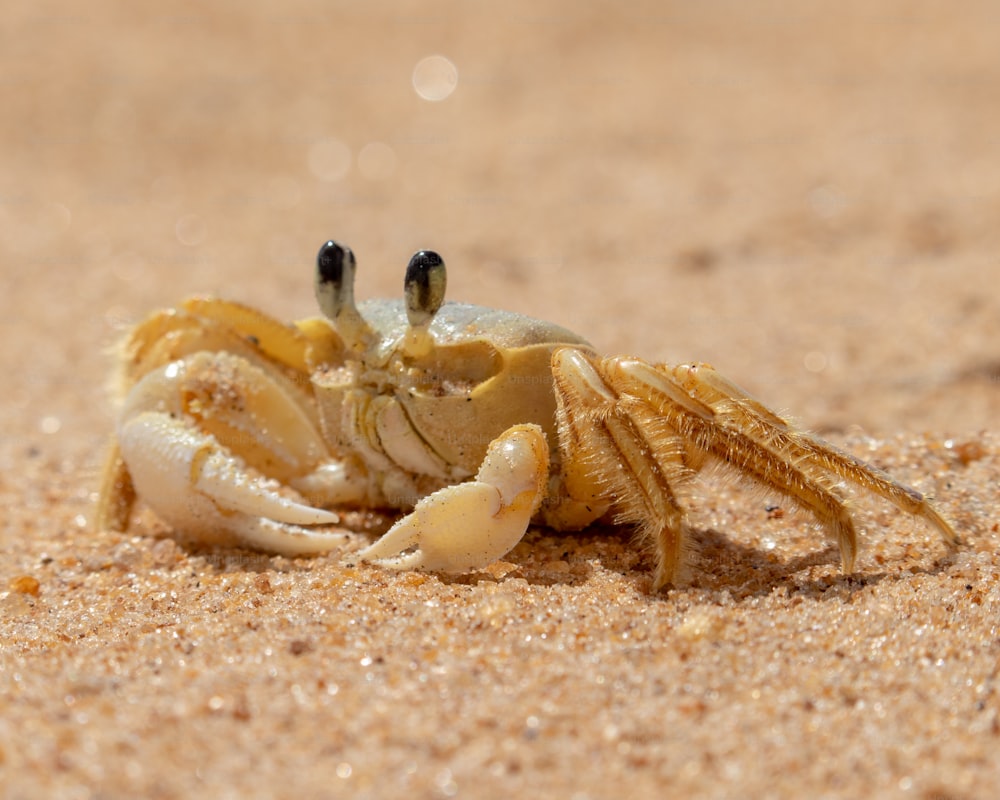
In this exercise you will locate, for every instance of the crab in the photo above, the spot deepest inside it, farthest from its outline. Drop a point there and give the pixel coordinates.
(240, 430)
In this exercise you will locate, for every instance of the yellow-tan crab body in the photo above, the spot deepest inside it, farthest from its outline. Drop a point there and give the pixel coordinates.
(435, 413)
(235, 428)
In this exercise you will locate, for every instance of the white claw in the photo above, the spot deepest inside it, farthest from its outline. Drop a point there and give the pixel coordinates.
(195, 486)
(260, 533)
(469, 525)
(226, 481)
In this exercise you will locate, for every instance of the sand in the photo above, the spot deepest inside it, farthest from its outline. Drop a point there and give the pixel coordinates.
(806, 199)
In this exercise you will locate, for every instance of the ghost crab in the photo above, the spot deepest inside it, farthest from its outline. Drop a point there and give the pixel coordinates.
(238, 429)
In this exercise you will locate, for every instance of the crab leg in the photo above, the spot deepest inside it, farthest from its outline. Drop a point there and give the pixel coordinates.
(608, 455)
(737, 447)
(730, 401)
(661, 424)
(468, 525)
(755, 439)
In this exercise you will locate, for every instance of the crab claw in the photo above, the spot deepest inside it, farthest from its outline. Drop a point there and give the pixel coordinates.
(199, 486)
(467, 526)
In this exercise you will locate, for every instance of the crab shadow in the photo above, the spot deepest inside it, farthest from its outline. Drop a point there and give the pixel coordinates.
(715, 564)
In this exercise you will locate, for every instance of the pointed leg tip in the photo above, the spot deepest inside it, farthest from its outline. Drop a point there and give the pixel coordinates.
(948, 533)
(663, 580)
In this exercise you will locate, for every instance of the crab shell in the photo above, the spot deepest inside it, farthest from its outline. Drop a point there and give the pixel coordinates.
(487, 371)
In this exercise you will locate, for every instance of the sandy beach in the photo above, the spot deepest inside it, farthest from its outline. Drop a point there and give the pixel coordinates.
(807, 200)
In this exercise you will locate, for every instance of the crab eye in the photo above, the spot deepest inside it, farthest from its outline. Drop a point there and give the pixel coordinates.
(424, 286)
(335, 267)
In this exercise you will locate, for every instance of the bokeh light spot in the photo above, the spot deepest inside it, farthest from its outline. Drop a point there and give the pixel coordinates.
(815, 361)
(435, 78)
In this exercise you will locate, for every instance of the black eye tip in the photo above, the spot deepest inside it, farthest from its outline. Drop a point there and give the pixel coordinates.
(332, 261)
(424, 286)
(334, 284)
(425, 260)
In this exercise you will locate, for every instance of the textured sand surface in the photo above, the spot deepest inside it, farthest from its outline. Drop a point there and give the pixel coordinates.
(807, 199)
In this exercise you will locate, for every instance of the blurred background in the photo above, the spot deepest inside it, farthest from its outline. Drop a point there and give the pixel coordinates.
(807, 198)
